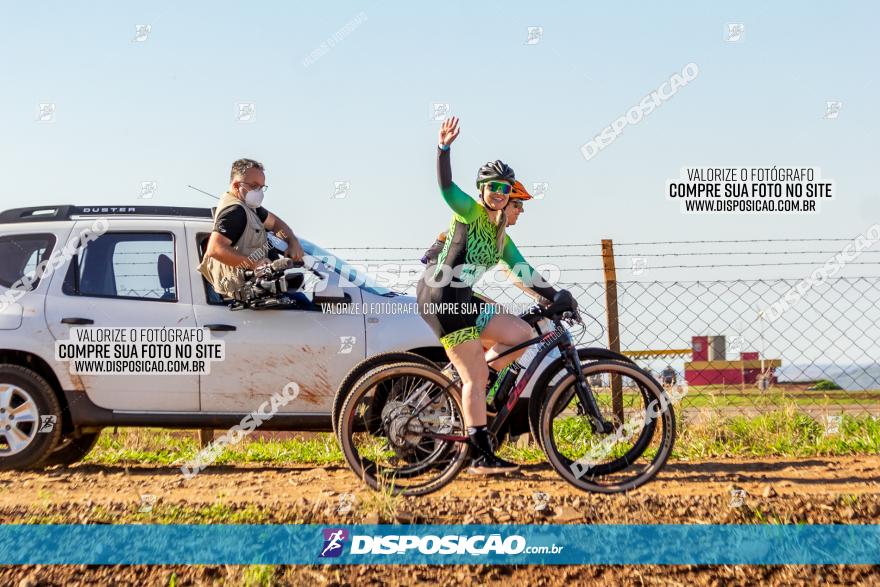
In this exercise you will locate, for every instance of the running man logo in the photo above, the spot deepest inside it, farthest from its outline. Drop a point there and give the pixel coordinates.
(334, 539)
(47, 424)
(347, 344)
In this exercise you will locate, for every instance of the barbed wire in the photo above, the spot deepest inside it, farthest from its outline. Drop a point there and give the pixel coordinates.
(755, 240)
(559, 246)
(725, 281)
(692, 254)
(650, 268)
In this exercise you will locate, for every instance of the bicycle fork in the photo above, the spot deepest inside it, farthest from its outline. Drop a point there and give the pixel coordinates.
(587, 405)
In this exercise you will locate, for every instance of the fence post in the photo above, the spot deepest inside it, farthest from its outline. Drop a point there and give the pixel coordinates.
(613, 325)
(206, 436)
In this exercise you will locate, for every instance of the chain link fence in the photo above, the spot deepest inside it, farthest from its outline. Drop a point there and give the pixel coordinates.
(742, 346)
(738, 356)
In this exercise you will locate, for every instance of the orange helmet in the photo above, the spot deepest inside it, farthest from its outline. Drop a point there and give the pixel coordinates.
(519, 192)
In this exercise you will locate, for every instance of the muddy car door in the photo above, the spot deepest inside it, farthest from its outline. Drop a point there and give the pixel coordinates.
(267, 349)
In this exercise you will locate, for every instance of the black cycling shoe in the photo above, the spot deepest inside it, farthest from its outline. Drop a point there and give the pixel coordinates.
(491, 465)
(486, 462)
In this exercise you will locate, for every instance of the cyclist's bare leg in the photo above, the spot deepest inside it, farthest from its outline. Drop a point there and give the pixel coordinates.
(503, 332)
(471, 367)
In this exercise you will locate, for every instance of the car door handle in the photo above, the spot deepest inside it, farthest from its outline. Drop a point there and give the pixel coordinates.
(77, 321)
(220, 327)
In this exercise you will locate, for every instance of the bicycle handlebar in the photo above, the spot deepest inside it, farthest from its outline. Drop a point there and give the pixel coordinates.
(563, 307)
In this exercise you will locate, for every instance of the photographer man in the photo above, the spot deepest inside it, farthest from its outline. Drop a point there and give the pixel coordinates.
(239, 241)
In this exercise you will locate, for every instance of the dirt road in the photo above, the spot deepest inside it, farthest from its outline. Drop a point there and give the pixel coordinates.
(812, 490)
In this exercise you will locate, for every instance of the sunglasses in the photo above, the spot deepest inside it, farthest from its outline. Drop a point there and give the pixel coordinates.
(499, 187)
(516, 204)
(253, 186)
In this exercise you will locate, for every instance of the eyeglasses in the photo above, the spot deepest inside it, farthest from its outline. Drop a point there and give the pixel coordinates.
(499, 187)
(253, 186)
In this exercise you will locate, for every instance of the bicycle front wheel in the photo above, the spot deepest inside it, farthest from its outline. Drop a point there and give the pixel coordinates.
(624, 459)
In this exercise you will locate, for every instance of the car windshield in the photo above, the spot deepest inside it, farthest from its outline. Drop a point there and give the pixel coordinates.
(340, 266)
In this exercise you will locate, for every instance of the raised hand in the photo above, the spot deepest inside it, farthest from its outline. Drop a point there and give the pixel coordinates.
(449, 131)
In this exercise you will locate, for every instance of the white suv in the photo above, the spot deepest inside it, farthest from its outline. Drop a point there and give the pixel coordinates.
(141, 272)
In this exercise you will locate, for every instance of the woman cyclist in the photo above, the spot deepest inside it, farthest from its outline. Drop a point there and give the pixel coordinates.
(476, 241)
(513, 209)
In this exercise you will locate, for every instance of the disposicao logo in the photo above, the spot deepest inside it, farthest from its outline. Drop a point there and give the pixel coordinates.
(334, 539)
(429, 544)
(442, 545)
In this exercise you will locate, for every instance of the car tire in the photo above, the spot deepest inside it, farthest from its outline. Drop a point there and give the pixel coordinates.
(73, 450)
(22, 444)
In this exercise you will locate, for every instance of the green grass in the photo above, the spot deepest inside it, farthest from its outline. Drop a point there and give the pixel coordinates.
(729, 399)
(786, 433)
(215, 513)
(721, 396)
(258, 576)
(782, 433)
(163, 447)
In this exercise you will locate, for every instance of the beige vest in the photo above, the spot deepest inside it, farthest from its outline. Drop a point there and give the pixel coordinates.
(225, 278)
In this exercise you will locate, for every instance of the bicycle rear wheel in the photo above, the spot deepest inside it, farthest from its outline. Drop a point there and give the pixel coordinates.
(624, 459)
(389, 425)
(364, 367)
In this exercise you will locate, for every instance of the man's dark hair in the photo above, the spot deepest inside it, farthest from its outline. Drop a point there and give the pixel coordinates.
(240, 166)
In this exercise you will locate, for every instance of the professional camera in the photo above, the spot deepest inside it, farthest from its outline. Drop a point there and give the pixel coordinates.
(264, 286)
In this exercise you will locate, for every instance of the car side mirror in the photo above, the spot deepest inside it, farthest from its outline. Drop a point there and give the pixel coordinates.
(331, 293)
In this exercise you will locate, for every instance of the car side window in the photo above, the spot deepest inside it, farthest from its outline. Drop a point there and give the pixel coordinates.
(21, 255)
(211, 295)
(297, 288)
(131, 265)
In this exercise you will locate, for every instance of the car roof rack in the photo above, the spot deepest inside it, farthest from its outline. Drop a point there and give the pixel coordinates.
(67, 211)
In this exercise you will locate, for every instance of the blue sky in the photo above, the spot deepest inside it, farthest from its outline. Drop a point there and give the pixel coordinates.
(163, 109)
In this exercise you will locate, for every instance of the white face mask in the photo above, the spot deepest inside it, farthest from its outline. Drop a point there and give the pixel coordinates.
(253, 198)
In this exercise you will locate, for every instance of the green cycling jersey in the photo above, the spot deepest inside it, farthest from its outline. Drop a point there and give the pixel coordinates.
(471, 242)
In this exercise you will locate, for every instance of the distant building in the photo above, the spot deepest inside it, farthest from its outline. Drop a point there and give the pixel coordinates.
(709, 364)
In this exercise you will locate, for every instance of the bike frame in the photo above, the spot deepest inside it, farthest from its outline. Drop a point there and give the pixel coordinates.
(559, 338)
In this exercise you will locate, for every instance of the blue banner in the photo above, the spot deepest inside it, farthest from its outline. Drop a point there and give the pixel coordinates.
(439, 544)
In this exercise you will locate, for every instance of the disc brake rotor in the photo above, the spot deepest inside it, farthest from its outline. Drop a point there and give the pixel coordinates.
(438, 417)
(404, 431)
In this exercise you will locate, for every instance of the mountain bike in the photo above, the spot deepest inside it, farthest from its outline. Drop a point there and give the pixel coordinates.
(605, 425)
